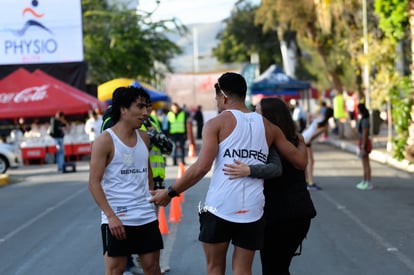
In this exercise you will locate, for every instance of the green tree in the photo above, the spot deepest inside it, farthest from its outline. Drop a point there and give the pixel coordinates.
(241, 38)
(394, 20)
(120, 42)
(325, 30)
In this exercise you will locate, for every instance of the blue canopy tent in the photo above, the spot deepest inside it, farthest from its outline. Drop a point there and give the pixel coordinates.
(154, 95)
(275, 82)
(106, 89)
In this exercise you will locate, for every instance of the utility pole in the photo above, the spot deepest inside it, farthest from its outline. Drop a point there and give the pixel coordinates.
(366, 65)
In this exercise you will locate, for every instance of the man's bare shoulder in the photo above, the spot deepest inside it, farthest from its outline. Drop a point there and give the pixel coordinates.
(219, 118)
(103, 141)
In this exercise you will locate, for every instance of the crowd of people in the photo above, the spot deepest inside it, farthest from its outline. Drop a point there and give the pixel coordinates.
(258, 200)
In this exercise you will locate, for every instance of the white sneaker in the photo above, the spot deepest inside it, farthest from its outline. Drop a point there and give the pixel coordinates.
(363, 185)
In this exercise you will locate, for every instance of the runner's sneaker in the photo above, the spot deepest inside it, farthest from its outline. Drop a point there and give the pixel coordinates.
(360, 185)
(314, 187)
(363, 185)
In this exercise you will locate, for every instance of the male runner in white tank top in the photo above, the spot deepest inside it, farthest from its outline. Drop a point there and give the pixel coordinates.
(120, 180)
(233, 208)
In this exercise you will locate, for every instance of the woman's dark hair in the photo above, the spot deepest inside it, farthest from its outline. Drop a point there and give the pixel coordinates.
(124, 97)
(362, 109)
(277, 112)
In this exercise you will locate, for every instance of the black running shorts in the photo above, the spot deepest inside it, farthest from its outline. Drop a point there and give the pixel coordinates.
(245, 235)
(140, 240)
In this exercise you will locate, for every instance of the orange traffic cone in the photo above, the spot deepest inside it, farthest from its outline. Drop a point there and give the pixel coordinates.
(191, 150)
(162, 221)
(175, 210)
(181, 171)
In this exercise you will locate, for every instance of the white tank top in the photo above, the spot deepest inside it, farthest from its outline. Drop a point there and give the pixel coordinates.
(125, 183)
(239, 200)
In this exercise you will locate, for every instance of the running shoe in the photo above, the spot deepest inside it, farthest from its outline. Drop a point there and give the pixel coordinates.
(364, 185)
(314, 187)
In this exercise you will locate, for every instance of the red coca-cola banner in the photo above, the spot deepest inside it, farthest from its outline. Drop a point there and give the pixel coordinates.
(24, 94)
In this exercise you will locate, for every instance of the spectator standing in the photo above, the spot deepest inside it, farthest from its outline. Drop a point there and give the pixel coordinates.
(233, 209)
(120, 179)
(288, 208)
(164, 122)
(199, 118)
(22, 126)
(365, 146)
(177, 119)
(340, 114)
(57, 128)
(93, 125)
(298, 115)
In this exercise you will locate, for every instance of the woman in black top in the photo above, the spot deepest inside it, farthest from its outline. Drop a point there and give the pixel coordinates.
(364, 146)
(288, 204)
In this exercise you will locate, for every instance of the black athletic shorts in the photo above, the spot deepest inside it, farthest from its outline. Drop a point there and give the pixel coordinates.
(140, 240)
(245, 235)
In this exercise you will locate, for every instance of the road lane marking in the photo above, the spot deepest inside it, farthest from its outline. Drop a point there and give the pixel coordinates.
(388, 246)
(38, 217)
(168, 247)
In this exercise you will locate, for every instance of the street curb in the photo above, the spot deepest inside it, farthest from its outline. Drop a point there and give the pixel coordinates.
(375, 155)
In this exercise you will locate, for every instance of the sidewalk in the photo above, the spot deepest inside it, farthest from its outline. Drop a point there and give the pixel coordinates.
(379, 152)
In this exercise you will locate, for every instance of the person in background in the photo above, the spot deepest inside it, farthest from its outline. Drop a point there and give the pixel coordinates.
(22, 126)
(35, 127)
(58, 125)
(233, 208)
(351, 106)
(165, 127)
(120, 180)
(318, 126)
(365, 146)
(298, 115)
(199, 118)
(177, 119)
(340, 113)
(288, 209)
(93, 125)
(323, 108)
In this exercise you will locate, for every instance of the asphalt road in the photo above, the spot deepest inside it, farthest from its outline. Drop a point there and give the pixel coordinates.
(50, 224)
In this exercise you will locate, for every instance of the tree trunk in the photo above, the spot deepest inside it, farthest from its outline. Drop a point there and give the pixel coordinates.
(289, 50)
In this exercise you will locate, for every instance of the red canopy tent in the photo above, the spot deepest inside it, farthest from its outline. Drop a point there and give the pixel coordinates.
(23, 94)
(92, 101)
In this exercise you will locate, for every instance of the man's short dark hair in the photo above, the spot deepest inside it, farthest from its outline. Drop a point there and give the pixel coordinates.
(233, 84)
(124, 97)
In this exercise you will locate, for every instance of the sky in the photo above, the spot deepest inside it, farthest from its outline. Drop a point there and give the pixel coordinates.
(190, 11)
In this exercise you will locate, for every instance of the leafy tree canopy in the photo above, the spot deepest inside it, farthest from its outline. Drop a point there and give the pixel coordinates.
(120, 42)
(242, 37)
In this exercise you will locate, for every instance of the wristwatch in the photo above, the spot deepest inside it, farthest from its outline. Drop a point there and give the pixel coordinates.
(171, 192)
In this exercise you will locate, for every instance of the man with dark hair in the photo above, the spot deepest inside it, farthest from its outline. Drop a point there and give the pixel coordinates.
(233, 209)
(120, 179)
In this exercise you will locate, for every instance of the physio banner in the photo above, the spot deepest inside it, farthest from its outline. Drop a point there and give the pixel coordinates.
(40, 31)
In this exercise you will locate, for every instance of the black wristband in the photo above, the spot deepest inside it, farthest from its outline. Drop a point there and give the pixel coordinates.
(171, 192)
